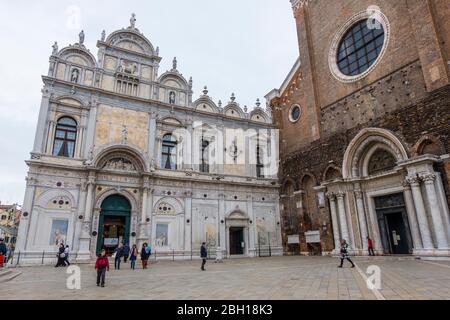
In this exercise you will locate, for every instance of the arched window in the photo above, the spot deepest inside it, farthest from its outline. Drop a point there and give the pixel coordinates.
(204, 161)
(169, 152)
(65, 137)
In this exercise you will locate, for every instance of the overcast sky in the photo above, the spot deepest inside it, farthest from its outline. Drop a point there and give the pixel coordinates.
(241, 46)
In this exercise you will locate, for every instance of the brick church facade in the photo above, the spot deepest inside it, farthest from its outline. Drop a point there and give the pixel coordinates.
(364, 119)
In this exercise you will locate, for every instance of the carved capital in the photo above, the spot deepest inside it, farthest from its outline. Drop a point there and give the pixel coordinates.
(340, 195)
(413, 181)
(331, 196)
(358, 194)
(428, 178)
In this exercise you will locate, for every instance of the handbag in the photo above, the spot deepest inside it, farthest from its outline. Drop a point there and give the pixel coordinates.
(62, 255)
(114, 255)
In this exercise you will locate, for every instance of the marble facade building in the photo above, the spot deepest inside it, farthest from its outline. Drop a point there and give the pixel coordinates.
(123, 154)
(364, 120)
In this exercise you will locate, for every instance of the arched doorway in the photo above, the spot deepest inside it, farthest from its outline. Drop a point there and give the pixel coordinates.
(114, 223)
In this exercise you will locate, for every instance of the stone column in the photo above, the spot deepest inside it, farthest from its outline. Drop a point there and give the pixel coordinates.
(83, 252)
(334, 220)
(188, 161)
(252, 227)
(188, 225)
(78, 142)
(343, 216)
(427, 242)
(79, 219)
(27, 208)
(90, 131)
(438, 223)
(149, 213)
(143, 222)
(222, 229)
(152, 137)
(361, 218)
(42, 121)
(417, 241)
(50, 137)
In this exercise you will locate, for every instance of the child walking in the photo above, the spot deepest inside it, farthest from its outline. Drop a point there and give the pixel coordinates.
(101, 265)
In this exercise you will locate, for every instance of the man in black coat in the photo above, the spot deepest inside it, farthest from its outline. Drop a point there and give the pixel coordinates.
(203, 255)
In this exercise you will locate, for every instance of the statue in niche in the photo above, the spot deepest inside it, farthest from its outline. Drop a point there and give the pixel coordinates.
(81, 37)
(135, 69)
(55, 48)
(152, 165)
(172, 97)
(124, 135)
(75, 75)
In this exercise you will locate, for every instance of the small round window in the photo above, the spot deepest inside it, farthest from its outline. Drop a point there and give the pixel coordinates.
(360, 47)
(295, 113)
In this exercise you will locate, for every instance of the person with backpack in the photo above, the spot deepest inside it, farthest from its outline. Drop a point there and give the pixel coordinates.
(125, 252)
(133, 256)
(101, 265)
(344, 254)
(203, 255)
(118, 251)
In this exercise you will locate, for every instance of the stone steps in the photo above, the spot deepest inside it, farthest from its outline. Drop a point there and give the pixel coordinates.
(8, 274)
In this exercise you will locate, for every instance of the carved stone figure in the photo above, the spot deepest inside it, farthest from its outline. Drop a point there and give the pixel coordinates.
(103, 35)
(55, 48)
(152, 165)
(75, 75)
(124, 135)
(81, 36)
(174, 63)
(133, 21)
(172, 97)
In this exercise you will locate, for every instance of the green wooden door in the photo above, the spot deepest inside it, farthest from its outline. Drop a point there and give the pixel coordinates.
(115, 206)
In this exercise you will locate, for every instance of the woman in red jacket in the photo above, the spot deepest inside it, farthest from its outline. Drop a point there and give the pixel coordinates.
(101, 265)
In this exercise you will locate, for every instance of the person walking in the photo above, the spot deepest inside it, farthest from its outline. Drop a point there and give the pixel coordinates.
(203, 255)
(370, 247)
(126, 252)
(133, 256)
(61, 256)
(118, 256)
(66, 256)
(344, 254)
(101, 265)
(3, 251)
(145, 254)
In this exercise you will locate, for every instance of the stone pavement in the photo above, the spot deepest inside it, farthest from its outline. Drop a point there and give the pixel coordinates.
(239, 279)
